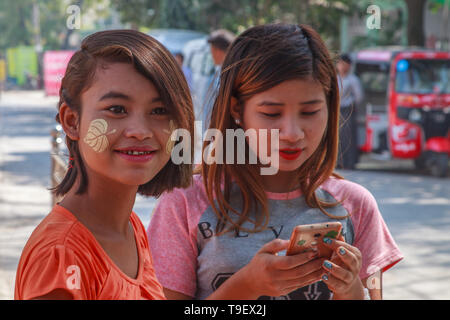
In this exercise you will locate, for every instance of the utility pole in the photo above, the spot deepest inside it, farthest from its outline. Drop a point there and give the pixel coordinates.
(37, 39)
(37, 27)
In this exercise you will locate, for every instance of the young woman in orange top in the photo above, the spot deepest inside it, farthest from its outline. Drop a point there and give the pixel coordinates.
(121, 97)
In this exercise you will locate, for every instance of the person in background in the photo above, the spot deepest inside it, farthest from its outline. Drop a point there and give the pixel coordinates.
(179, 57)
(351, 94)
(219, 41)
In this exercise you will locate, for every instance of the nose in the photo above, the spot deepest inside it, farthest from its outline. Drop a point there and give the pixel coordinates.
(291, 130)
(138, 128)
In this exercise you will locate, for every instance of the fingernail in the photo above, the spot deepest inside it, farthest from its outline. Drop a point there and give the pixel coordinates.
(341, 251)
(327, 264)
(325, 277)
(327, 240)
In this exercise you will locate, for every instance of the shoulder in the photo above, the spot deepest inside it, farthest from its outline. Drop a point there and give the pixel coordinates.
(195, 190)
(181, 206)
(342, 187)
(60, 236)
(193, 196)
(354, 197)
(56, 229)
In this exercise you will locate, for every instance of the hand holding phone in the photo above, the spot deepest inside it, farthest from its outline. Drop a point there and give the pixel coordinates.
(310, 237)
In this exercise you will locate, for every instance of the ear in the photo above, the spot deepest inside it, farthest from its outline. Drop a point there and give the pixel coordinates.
(235, 109)
(70, 121)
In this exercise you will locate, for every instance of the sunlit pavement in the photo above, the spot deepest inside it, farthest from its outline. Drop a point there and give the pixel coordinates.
(416, 207)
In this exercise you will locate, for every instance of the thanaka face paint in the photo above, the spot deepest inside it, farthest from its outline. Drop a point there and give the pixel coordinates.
(96, 136)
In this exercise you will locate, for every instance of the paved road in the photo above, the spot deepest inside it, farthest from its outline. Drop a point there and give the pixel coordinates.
(416, 207)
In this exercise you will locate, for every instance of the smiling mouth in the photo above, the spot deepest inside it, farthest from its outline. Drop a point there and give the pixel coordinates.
(135, 153)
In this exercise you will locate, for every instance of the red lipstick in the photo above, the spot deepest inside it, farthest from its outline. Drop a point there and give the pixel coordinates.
(290, 154)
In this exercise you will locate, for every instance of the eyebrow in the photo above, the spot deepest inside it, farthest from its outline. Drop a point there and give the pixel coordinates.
(114, 95)
(119, 95)
(273, 103)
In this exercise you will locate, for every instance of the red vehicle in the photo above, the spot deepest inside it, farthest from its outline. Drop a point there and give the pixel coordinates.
(406, 110)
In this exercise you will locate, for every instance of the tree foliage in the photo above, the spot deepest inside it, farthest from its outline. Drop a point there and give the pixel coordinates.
(235, 15)
(16, 17)
(18, 27)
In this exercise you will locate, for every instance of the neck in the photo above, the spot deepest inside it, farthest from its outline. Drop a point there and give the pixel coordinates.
(282, 182)
(104, 208)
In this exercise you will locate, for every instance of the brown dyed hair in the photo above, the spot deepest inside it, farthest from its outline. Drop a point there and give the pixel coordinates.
(152, 60)
(259, 59)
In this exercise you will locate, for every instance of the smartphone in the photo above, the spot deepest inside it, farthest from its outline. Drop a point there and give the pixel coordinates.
(306, 237)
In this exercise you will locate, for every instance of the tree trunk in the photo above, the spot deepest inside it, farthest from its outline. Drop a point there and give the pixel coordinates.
(416, 33)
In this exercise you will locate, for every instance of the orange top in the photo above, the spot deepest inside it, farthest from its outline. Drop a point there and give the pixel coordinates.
(62, 253)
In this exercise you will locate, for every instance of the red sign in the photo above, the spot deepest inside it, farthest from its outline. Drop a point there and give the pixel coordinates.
(376, 55)
(55, 63)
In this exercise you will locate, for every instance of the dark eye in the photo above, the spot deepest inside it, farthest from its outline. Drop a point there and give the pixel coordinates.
(160, 111)
(117, 109)
(271, 115)
(310, 113)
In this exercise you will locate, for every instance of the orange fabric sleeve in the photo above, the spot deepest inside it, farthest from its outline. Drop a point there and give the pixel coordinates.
(56, 267)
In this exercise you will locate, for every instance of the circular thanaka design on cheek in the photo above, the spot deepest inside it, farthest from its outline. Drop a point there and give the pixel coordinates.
(96, 136)
(170, 143)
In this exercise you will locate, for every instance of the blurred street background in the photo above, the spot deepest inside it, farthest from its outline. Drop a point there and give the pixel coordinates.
(403, 163)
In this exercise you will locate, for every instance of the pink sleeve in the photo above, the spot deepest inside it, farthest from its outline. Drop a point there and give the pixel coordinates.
(372, 237)
(172, 235)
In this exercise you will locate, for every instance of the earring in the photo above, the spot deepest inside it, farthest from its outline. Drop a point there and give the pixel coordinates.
(70, 164)
(237, 121)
